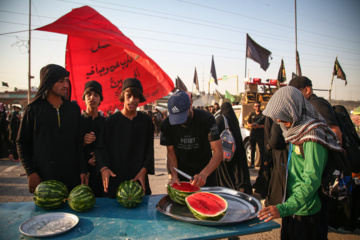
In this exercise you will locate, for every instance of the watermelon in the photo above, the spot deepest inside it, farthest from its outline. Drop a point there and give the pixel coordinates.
(50, 194)
(207, 206)
(129, 194)
(81, 198)
(178, 193)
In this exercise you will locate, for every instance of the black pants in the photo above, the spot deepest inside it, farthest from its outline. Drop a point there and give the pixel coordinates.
(13, 149)
(260, 141)
(301, 227)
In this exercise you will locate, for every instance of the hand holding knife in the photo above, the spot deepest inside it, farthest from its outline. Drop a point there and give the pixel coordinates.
(184, 174)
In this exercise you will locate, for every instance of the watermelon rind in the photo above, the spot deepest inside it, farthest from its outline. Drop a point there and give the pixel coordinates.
(50, 194)
(81, 198)
(129, 194)
(179, 196)
(204, 200)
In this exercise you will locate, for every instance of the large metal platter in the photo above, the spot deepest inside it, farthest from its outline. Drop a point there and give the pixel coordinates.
(48, 225)
(241, 207)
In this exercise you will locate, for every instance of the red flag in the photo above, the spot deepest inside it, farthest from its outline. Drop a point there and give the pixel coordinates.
(97, 50)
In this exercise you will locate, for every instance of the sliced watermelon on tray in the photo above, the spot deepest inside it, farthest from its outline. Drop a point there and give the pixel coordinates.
(178, 192)
(207, 206)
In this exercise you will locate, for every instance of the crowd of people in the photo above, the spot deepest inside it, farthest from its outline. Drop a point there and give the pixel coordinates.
(9, 127)
(54, 140)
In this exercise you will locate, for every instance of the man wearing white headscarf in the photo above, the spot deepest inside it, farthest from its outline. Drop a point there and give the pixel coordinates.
(301, 125)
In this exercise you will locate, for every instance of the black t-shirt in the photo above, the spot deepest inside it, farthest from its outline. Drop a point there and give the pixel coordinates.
(324, 108)
(253, 117)
(192, 144)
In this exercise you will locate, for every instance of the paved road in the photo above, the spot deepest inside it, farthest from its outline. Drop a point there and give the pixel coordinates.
(13, 188)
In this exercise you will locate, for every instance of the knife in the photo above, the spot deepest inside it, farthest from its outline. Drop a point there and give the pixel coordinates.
(184, 174)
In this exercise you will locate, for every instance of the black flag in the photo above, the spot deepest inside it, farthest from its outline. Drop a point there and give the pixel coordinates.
(218, 94)
(213, 71)
(180, 85)
(257, 53)
(196, 80)
(338, 71)
(282, 75)
(4, 84)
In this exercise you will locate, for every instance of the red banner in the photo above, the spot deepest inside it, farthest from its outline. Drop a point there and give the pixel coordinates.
(98, 50)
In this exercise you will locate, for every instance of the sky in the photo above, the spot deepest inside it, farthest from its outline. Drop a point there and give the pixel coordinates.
(181, 35)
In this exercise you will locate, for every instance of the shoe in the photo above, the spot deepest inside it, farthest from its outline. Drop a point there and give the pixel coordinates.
(340, 229)
(252, 167)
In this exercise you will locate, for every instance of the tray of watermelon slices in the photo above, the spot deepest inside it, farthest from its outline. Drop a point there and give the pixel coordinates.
(212, 206)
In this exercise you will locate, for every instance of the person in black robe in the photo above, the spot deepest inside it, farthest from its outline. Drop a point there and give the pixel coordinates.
(13, 130)
(278, 151)
(235, 173)
(49, 141)
(126, 147)
(4, 132)
(92, 123)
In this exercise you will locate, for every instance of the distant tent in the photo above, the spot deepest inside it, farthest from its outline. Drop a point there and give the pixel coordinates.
(356, 111)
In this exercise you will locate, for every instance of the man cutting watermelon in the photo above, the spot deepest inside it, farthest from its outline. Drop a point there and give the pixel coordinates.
(192, 139)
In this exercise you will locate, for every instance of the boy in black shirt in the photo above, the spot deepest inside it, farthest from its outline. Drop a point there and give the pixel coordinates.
(193, 141)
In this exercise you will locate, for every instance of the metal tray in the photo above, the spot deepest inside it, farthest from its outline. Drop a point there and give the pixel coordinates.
(48, 225)
(241, 207)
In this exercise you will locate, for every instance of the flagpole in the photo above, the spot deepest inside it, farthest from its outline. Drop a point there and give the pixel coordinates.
(29, 77)
(237, 85)
(332, 79)
(296, 38)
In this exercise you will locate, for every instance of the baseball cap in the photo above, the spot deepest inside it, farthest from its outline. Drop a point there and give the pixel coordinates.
(178, 106)
(300, 82)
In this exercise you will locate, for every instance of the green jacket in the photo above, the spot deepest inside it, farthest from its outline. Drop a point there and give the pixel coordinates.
(304, 179)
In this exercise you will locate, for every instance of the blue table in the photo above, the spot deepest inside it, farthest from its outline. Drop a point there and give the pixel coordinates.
(109, 220)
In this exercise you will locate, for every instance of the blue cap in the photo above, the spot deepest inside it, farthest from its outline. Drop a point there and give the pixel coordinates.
(178, 106)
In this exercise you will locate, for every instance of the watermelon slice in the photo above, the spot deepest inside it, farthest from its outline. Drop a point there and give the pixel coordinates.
(178, 192)
(207, 206)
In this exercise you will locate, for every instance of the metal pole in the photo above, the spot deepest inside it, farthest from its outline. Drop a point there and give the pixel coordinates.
(237, 85)
(29, 80)
(296, 39)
